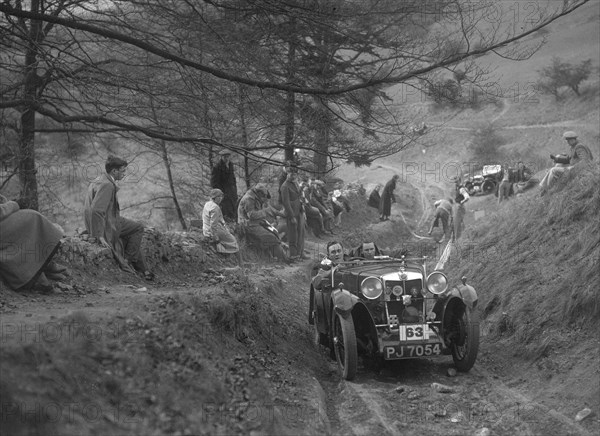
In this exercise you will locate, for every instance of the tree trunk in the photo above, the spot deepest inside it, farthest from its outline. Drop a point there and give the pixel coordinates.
(165, 158)
(321, 139)
(245, 142)
(26, 154)
(290, 104)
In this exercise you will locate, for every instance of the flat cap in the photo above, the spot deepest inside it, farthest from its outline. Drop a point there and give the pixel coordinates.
(262, 189)
(215, 193)
(569, 134)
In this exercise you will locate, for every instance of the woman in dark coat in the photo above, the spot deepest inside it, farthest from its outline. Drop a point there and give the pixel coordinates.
(375, 198)
(387, 198)
(28, 241)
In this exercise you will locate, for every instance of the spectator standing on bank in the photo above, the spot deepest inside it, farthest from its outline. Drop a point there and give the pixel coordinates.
(223, 178)
(387, 198)
(563, 162)
(461, 196)
(214, 227)
(294, 215)
(505, 183)
(104, 222)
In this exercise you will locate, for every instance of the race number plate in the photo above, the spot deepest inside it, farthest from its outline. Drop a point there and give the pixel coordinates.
(415, 332)
(408, 351)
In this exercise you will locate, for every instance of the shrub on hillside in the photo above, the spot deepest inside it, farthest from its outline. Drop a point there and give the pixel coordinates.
(485, 144)
(560, 74)
(444, 92)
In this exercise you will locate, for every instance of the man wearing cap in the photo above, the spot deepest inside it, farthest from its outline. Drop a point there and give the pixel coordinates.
(223, 178)
(294, 214)
(563, 162)
(106, 226)
(213, 224)
(254, 214)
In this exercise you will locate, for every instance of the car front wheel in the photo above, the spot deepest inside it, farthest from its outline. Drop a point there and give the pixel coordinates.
(344, 343)
(465, 339)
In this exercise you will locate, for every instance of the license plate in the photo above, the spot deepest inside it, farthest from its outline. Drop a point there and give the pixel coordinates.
(408, 351)
(415, 332)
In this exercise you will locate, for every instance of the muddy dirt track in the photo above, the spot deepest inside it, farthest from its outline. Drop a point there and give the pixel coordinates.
(390, 398)
(401, 399)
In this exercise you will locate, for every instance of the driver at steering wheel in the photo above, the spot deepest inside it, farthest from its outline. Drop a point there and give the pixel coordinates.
(335, 254)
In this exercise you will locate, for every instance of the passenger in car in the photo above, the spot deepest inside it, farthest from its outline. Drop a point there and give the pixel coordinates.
(366, 250)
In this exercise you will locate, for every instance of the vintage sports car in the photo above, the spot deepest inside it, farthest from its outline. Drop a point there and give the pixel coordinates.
(391, 308)
(484, 182)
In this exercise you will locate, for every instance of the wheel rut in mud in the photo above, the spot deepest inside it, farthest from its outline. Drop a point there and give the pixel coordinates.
(403, 398)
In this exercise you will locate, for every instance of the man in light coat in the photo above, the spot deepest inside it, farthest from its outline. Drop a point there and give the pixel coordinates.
(578, 153)
(214, 227)
(104, 222)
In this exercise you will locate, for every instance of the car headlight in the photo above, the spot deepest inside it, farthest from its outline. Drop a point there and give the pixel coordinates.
(437, 283)
(371, 287)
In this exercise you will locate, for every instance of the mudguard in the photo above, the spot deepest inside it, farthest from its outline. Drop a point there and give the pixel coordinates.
(467, 293)
(343, 301)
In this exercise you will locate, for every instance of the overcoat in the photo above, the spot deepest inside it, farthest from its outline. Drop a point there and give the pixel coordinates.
(223, 178)
(101, 211)
(28, 240)
(387, 196)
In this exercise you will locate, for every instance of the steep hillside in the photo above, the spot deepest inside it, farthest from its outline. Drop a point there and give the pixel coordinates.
(536, 263)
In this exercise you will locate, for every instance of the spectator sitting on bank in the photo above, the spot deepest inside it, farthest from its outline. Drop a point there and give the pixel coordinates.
(106, 226)
(524, 179)
(374, 197)
(214, 227)
(316, 200)
(340, 205)
(443, 213)
(256, 215)
(578, 153)
(314, 219)
(28, 242)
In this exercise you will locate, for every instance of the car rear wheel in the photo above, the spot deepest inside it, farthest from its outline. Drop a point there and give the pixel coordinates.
(488, 187)
(344, 344)
(465, 339)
